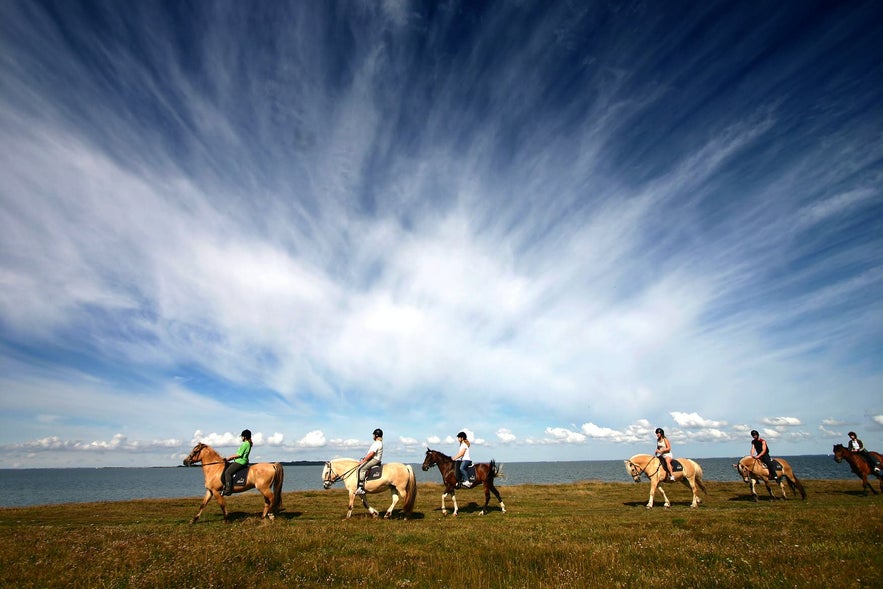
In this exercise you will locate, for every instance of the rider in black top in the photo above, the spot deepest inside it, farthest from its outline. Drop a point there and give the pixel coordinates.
(761, 451)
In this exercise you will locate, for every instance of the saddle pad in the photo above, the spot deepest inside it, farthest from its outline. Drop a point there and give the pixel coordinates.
(375, 472)
(239, 477)
(676, 466)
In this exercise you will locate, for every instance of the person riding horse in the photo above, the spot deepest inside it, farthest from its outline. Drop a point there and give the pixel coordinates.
(760, 451)
(465, 460)
(856, 446)
(237, 461)
(663, 451)
(373, 457)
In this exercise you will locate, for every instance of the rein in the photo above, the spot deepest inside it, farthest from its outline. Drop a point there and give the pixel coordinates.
(338, 477)
(643, 470)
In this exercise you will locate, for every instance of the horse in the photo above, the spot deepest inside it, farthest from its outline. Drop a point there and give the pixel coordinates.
(859, 466)
(651, 466)
(263, 476)
(397, 477)
(485, 473)
(752, 470)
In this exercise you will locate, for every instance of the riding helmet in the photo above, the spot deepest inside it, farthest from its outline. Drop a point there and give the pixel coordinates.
(246, 433)
(659, 430)
(378, 433)
(754, 432)
(851, 434)
(462, 435)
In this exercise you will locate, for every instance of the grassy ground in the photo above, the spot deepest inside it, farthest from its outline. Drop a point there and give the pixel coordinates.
(576, 535)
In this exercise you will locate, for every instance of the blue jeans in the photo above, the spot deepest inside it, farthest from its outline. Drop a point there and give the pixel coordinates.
(464, 474)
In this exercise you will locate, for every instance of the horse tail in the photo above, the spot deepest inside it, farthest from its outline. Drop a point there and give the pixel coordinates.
(495, 471)
(278, 479)
(697, 472)
(411, 491)
(796, 483)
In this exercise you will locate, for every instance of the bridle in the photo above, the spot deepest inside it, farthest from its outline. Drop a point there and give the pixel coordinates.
(637, 471)
(329, 480)
(191, 462)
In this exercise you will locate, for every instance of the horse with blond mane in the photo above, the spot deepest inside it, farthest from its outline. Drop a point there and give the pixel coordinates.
(752, 470)
(266, 477)
(397, 477)
(686, 471)
(859, 466)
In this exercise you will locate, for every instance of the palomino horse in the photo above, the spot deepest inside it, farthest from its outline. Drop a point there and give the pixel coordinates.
(859, 466)
(753, 470)
(397, 477)
(263, 476)
(485, 473)
(691, 476)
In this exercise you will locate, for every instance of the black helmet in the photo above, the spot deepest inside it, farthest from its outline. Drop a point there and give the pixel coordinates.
(851, 434)
(754, 432)
(378, 433)
(462, 435)
(246, 433)
(659, 430)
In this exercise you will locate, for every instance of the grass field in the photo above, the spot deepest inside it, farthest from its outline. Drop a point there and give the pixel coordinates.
(587, 534)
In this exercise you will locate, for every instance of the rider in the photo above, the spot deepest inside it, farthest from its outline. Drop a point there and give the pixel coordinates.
(760, 451)
(237, 462)
(663, 450)
(465, 460)
(374, 455)
(857, 447)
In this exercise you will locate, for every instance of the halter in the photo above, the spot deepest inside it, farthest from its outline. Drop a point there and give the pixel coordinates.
(195, 460)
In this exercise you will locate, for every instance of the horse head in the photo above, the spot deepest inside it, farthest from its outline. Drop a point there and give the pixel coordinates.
(328, 476)
(633, 470)
(839, 452)
(430, 460)
(742, 470)
(195, 455)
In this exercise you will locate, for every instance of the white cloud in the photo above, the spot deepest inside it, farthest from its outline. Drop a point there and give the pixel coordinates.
(694, 420)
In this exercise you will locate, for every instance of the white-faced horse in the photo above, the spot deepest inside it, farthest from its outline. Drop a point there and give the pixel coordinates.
(753, 470)
(266, 477)
(398, 478)
(652, 468)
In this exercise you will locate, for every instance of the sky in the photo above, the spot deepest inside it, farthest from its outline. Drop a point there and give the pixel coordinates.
(555, 226)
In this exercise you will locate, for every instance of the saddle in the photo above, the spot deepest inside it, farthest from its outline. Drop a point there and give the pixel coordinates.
(776, 464)
(470, 473)
(375, 472)
(676, 466)
(239, 477)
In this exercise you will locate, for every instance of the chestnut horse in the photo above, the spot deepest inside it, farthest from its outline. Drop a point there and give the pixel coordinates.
(485, 473)
(262, 476)
(753, 470)
(690, 476)
(859, 466)
(397, 477)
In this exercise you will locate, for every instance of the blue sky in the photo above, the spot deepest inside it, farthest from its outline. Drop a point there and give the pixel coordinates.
(556, 226)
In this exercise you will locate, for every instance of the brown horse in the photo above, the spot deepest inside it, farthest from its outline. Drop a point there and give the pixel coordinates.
(753, 470)
(263, 476)
(485, 473)
(397, 477)
(651, 466)
(859, 466)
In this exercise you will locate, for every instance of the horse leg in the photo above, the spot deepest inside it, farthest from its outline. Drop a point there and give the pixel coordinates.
(205, 500)
(497, 495)
(653, 486)
(268, 500)
(487, 499)
(444, 507)
(692, 484)
(395, 499)
(454, 501)
(753, 482)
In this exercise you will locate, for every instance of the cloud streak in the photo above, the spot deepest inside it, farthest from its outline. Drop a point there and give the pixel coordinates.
(506, 218)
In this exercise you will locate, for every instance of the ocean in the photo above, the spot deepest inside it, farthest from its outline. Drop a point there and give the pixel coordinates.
(48, 486)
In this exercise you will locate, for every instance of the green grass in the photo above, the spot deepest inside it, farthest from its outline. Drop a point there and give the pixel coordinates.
(576, 535)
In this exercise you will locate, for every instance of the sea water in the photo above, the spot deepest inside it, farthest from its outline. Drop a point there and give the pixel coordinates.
(46, 486)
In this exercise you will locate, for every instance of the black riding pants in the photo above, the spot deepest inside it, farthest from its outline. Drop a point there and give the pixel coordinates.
(231, 469)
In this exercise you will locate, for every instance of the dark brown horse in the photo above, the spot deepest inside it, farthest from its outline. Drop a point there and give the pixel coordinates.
(485, 473)
(261, 476)
(859, 466)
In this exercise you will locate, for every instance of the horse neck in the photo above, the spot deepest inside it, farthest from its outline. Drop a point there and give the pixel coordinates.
(209, 455)
(444, 462)
(343, 467)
